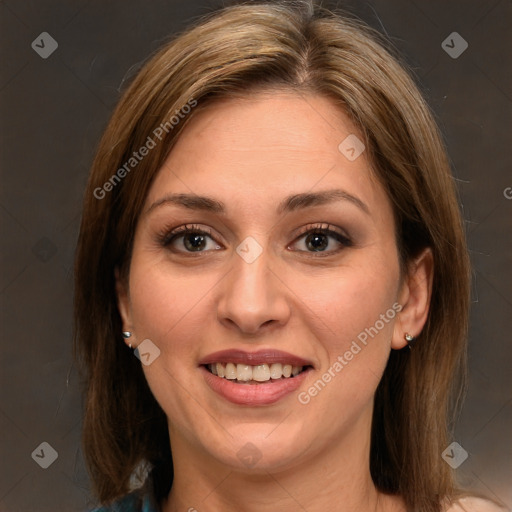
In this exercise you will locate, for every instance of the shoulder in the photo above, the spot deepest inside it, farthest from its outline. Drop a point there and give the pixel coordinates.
(133, 502)
(129, 503)
(471, 504)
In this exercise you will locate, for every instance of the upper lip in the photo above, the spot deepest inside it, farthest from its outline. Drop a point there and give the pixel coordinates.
(266, 356)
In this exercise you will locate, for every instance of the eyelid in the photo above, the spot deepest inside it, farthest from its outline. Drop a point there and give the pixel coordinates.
(323, 227)
(167, 234)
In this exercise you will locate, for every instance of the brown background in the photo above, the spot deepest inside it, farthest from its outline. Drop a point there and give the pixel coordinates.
(52, 113)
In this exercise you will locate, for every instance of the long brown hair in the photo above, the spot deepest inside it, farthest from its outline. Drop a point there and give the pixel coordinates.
(304, 48)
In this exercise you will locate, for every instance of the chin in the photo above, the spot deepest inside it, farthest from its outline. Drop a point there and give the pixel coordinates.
(254, 451)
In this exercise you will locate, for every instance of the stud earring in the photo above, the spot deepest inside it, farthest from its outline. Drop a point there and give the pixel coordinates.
(126, 335)
(411, 340)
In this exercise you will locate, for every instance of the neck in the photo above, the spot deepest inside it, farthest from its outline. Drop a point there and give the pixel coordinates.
(336, 480)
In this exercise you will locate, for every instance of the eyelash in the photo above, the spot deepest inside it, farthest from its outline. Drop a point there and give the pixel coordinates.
(166, 237)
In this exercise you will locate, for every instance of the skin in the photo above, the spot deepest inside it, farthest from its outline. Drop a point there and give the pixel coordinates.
(250, 154)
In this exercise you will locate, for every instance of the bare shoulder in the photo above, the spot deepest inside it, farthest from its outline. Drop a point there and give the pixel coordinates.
(471, 504)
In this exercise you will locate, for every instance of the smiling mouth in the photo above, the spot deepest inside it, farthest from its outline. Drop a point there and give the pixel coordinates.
(257, 374)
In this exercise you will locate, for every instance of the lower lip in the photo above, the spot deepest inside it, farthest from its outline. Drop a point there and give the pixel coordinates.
(253, 394)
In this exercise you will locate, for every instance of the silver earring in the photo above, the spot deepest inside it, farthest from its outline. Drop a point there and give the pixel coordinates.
(126, 335)
(411, 340)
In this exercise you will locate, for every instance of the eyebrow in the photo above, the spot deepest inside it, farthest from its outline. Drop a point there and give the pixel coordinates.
(289, 204)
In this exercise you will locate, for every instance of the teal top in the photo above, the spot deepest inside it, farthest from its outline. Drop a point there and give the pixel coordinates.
(136, 501)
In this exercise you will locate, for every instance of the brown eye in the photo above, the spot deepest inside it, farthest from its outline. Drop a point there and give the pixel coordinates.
(194, 241)
(319, 239)
(189, 239)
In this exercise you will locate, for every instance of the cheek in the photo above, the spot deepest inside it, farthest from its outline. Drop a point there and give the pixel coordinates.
(163, 302)
(354, 317)
(168, 309)
(356, 300)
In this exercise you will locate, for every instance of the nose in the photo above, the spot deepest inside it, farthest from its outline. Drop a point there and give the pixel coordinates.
(252, 299)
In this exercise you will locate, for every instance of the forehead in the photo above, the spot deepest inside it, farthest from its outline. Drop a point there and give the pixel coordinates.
(264, 147)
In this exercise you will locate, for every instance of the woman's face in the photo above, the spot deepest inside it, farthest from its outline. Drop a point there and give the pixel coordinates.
(290, 259)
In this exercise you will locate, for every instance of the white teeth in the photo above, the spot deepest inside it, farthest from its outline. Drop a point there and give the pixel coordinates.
(261, 373)
(246, 373)
(230, 371)
(276, 370)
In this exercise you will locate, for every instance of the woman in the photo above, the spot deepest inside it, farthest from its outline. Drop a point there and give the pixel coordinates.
(271, 277)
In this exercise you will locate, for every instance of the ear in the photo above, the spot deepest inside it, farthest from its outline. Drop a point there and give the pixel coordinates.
(123, 301)
(414, 297)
